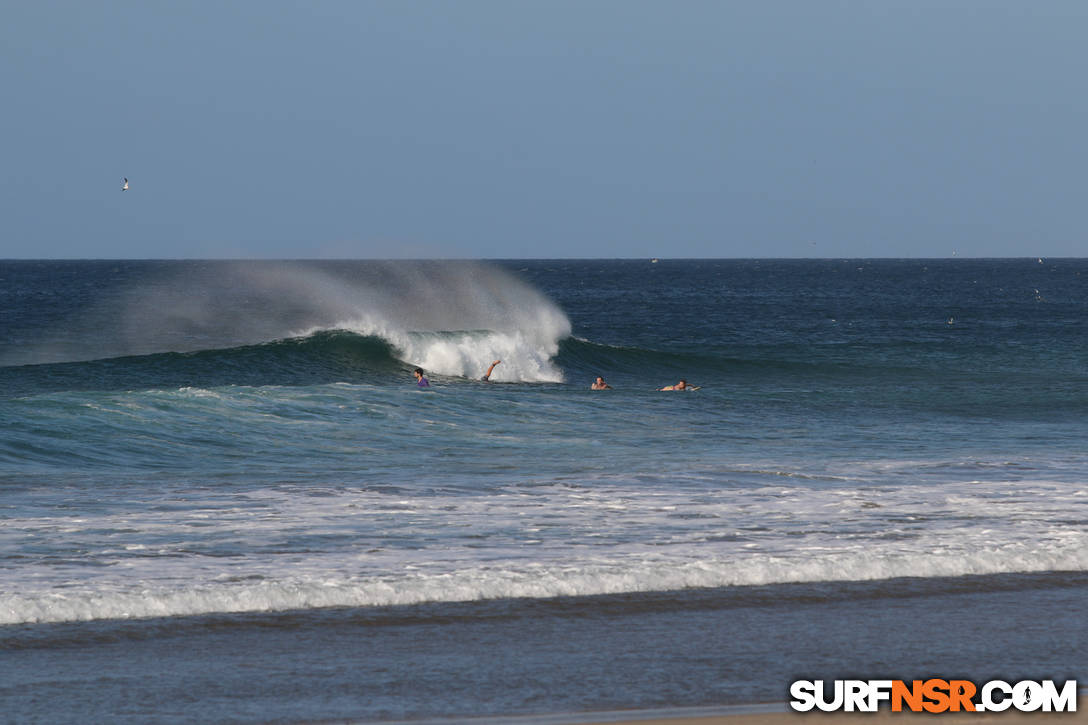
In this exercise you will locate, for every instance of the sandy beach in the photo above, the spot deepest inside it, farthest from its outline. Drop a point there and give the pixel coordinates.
(765, 714)
(775, 715)
(791, 718)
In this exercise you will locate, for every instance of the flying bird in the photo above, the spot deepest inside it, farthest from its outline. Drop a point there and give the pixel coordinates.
(124, 185)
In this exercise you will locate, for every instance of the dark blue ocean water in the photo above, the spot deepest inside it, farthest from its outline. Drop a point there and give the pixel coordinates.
(225, 499)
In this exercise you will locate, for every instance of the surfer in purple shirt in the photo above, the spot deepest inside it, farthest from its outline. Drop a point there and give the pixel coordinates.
(420, 380)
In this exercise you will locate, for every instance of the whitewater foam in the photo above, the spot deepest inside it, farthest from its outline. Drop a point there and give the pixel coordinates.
(539, 580)
(535, 542)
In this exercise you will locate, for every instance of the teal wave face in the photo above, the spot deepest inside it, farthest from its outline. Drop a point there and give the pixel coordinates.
(324, 357)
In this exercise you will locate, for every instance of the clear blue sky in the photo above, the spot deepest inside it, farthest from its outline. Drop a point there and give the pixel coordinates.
(507, 128)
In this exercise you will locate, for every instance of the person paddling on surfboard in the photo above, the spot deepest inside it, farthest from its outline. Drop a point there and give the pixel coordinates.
(600, 384)
(487, 375)
(682, 385)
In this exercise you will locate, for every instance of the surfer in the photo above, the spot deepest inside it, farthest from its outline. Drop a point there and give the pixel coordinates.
(682, 385)
(487, 375)
(600, 384)
(421, 381)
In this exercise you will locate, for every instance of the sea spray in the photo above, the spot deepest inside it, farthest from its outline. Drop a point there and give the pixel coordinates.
(453, 318)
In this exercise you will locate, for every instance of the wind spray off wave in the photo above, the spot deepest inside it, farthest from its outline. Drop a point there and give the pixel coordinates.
(453, 318)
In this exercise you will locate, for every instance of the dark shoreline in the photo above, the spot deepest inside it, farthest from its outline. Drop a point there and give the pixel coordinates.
(651, 653)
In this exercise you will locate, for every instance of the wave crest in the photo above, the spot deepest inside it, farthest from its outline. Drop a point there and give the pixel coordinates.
(452, 318)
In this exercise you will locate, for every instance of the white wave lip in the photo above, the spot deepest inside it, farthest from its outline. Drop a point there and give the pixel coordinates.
(452, 318)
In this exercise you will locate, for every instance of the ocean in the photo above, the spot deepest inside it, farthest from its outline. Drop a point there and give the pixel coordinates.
(225, 499)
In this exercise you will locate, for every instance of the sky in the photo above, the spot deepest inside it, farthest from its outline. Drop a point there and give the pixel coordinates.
(543, 129)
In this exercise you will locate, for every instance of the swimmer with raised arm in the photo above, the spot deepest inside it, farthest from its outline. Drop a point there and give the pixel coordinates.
(487, 375)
